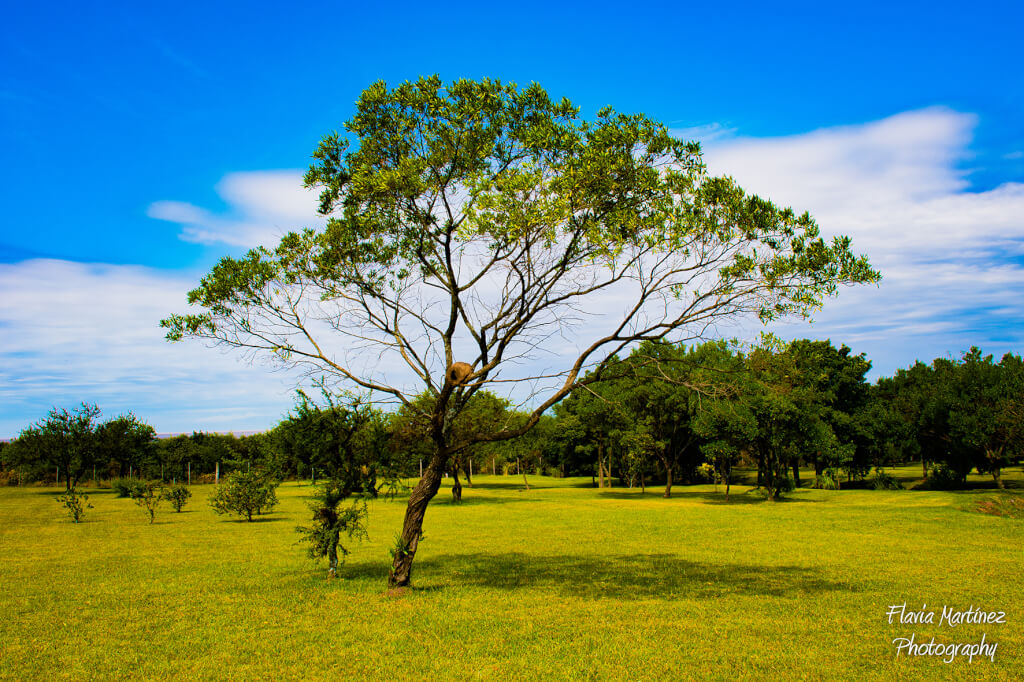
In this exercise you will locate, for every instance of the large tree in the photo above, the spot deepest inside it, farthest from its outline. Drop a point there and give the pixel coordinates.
(482, 223)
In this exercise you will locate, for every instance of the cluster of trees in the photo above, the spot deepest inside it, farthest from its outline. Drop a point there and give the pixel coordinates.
(956, 415)
(72, 445)
(667, 411)
(660, 415)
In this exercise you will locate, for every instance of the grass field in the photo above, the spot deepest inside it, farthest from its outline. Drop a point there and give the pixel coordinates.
(559, 582)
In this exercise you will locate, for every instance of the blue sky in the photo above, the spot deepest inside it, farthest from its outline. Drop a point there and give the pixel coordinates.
(141, 143)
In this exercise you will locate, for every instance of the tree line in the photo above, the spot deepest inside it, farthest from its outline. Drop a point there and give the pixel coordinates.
(666, 414)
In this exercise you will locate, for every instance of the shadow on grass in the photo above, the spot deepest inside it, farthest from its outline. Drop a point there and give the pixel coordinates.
(622, 577)
(257, 519)
(471, 500)
(736, 497)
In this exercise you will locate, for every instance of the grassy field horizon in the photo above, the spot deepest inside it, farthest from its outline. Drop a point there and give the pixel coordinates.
(562, 581)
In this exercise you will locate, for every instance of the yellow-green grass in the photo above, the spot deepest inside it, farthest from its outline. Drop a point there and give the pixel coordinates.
(559, 582)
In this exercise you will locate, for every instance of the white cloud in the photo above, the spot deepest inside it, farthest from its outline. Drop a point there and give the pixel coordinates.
(264, 205)
(949, 256)
(74, 332)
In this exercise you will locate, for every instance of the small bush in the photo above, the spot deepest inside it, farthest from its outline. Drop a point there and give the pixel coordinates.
(942, 477)
(177, 495)
(127, 487)
(75, 504)
(828, 480)
(245, 493)
(149, 496)
(705, 473)
(330, 521)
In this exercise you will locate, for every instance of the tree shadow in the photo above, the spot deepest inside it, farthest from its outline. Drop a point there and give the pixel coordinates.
(621, 577)
(471, 500)
(257, 519)
(736, 498)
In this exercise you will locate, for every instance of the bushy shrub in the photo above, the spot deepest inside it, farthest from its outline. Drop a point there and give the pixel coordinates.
(245, 493)
(127, 487)
(75, 504)
(942, 477)
(827, 480)
(705, 473)
(330, 521)
(177, 495)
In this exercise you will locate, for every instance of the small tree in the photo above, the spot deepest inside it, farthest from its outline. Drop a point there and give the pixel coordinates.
(149, 496)
(329, 522)
(75, 504)
(177, 495)
(245, 493)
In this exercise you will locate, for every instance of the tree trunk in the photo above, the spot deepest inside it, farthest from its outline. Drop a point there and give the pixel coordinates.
(796, 472)
(469, 473)
(600, 466)
(412, 528)
(456, 485)
(668, 480)
(332, 558)
(997, 475)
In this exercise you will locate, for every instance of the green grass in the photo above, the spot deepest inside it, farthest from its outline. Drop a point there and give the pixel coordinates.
(559, 582)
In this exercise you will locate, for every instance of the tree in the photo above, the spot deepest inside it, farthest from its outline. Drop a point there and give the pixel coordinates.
(151, 493)
(245, 493)
(343, 441)
(64, 440)
(177, 495)
(476, 221)
(75, 504)
(330, 521)
(125, 441)
(987, 414)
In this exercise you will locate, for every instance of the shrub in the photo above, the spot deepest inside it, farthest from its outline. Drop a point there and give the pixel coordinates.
(245, 493)
(329, 522)
(942, 477)
(75, 504)
(705, 473)
(177, 495)
(827, 480)
(148, 497)
(127, 487)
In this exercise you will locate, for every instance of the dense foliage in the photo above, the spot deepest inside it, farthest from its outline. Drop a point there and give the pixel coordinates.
(245, 493)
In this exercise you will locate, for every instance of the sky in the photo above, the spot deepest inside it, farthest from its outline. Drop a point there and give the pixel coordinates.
(142, 143)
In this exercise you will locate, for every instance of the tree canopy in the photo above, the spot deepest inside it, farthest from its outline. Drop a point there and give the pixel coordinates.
(483, 223)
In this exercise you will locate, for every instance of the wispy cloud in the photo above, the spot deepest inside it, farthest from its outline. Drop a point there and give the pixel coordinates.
(263, 206)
